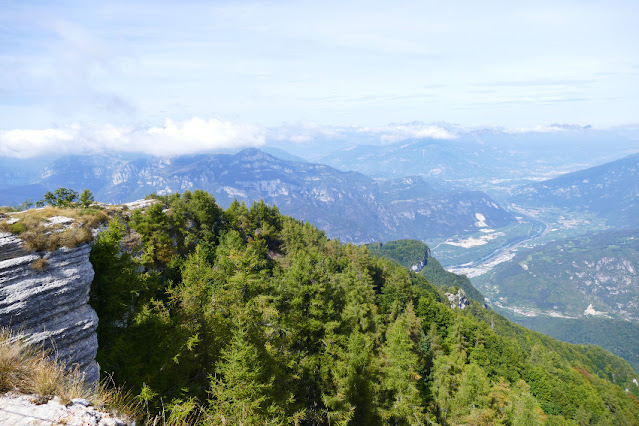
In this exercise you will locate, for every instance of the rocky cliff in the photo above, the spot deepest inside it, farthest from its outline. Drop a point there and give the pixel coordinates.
(44, 296)
(458, 300)
(420, 265)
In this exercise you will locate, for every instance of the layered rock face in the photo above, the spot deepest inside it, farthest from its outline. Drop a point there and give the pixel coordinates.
(47, 301)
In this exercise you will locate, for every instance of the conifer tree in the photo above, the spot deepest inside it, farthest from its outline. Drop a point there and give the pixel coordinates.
(526, 410)
(472, 394)
(239, 392)
(402, 401)
(86, 198)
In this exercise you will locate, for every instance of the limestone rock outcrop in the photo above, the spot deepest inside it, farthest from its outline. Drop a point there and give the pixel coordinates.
(419, 266)
(459, 300)
(16, 409)
(47, 301)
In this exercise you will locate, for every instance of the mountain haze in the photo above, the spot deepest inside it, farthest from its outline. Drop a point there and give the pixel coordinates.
(346, 205)
(487, 158)
(610, 190)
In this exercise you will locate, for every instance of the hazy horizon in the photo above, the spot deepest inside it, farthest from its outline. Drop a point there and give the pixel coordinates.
(225, 75)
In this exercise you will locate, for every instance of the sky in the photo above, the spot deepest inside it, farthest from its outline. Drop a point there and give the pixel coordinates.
(177, 77)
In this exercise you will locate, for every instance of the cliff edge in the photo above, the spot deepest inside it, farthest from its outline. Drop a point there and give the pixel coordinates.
(44, 297)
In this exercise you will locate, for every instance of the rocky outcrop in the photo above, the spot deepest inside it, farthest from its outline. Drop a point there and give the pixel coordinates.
(459, 300)
(419, 266)
(44, 297)
(16, 409)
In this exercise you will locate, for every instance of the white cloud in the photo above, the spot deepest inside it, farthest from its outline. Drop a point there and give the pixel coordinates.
(173, 138)
(311, 132)
(395, 133)
(197, 135)
(24, 143)
(552, 128)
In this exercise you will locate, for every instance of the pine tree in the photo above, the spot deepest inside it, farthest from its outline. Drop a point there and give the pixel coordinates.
(239, 393)
(86, 198)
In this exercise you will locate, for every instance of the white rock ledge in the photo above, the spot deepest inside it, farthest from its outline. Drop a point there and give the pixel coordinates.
(51, 307)
(16, 409)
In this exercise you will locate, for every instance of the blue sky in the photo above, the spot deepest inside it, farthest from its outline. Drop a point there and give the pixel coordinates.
(126, 72)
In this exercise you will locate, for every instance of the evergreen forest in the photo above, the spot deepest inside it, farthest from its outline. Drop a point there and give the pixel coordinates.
(244, 316)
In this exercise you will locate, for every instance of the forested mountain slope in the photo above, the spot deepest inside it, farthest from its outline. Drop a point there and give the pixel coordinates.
(583, 289)
(415, 255)
(246, 316)
(610, 190)
(567, 276)
(620, 337)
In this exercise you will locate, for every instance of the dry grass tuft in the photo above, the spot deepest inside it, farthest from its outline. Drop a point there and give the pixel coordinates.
(40, 264)
(13, 367)
(185, 414)
(28, 369)
(117, 401)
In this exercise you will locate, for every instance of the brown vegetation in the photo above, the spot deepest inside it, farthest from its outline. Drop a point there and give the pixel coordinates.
(28, 369)
(39, 234)
(40, 264)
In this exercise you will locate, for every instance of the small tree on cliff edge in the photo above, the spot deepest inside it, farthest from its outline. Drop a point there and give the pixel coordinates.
(86, 198)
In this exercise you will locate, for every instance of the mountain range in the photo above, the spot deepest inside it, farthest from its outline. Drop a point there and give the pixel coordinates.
(486, 159)
(610, 190)
(346, 205)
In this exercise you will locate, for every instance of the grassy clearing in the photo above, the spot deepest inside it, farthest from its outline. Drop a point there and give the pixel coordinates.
(39, 234)
(29, 370)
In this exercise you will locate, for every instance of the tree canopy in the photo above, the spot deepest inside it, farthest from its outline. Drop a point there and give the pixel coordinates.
(246, 316)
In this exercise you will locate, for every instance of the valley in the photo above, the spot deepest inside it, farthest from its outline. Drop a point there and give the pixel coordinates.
(471, 233)
(303, 213)
(582, 289)
(594, 274)
(472, 255)
(567, 270)
(478, 253)
(529, 270)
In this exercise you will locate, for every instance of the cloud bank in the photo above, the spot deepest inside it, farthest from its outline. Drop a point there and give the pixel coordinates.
(197, 135)
(190, 136)
(312, 132)
(397, 132)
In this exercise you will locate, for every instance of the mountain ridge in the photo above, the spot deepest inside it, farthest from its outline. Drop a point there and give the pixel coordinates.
(346, 205)
(610, 190)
